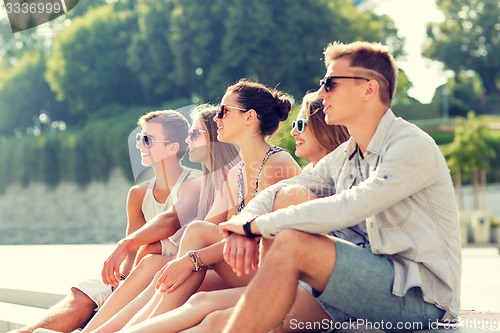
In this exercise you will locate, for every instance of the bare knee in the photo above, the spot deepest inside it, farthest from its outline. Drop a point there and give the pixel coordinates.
(200, 231)
(288, 244)
(292, 195)
(200, 299)
(152, 263)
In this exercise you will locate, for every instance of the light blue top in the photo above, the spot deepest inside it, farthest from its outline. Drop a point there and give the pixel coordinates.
(406, 197)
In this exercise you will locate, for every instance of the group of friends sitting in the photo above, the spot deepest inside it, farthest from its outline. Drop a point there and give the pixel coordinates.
(366, 232)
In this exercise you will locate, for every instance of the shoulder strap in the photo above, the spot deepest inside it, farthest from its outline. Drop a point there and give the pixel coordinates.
(271, 151)
(182, 177)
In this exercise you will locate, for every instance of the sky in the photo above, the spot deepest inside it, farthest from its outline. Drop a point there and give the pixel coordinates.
(411, 17)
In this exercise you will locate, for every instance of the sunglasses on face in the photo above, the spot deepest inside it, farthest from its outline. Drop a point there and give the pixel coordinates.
(195, 133)
(223, 109)
(299, 125)
(147, 140)
(329, 83)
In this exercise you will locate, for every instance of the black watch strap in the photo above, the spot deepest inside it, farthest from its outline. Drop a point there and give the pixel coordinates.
(248, 231)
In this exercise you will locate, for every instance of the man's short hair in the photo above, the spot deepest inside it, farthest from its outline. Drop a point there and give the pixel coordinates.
(372, 60)
(175, 127)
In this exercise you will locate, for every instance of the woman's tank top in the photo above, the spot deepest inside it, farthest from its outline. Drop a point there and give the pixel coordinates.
(240, 185)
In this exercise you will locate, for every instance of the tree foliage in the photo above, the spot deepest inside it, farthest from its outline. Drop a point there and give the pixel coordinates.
(469, 154)
(87, 68)
(468, 39)
(149, 55)
(24, 94)
(110, 56)
(201, 47)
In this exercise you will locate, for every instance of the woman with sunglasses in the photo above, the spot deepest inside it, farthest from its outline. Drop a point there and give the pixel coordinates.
(314, 140)
(249, 113)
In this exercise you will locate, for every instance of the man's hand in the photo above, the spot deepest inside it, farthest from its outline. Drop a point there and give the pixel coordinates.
(235, 225)
(241, 253)
(111, 268)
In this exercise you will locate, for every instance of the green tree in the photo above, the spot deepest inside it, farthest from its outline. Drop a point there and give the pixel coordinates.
(469, 155)
(13, 46)
(462, 93)
(271, 41)
(87, 67)
(468, 39)
(149, 55)
(24, 94)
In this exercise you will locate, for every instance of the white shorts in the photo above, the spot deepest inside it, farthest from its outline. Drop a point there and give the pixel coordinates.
(170, 246)
(96, 290)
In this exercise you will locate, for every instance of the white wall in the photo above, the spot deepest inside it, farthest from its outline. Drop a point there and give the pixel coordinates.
(66, 214)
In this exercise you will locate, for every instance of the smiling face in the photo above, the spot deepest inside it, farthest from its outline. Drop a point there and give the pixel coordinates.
(198, 143)
(342, 104)
(306, 144)
(232, 123)
(159, 150)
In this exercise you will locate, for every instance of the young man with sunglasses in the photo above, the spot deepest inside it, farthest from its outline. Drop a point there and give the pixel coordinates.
(155, 210)
(391, 175)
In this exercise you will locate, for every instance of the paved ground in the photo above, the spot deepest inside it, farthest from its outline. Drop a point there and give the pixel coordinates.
(54, 268)
(50, 268)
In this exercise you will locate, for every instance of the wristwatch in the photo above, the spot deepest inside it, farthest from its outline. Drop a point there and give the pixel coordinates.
(248, 229)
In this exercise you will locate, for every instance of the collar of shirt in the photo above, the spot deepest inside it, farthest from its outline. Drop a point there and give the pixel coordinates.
(378, 139)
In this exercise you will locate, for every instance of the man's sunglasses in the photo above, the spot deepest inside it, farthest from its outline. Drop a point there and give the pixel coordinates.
(195, 133)
(223, 109)
(330, 84)
(147, 140)
(299, 125)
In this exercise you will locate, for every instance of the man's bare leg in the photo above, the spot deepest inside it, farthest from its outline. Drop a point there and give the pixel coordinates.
(72, 312)
(270, 295)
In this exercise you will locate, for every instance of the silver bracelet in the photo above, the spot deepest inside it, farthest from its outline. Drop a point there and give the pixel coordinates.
(195, 258)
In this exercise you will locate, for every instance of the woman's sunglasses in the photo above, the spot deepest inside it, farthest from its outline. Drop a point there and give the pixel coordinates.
(299, 125)
(147, 140)
(195, 133)
(223, 109)
(329, 83)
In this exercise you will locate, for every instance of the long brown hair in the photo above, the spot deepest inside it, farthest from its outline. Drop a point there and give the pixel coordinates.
(223, 156)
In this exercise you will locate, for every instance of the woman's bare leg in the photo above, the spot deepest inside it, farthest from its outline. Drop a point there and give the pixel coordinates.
(127, 293)
(190, 313)
(198, 235)
(305, 309)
